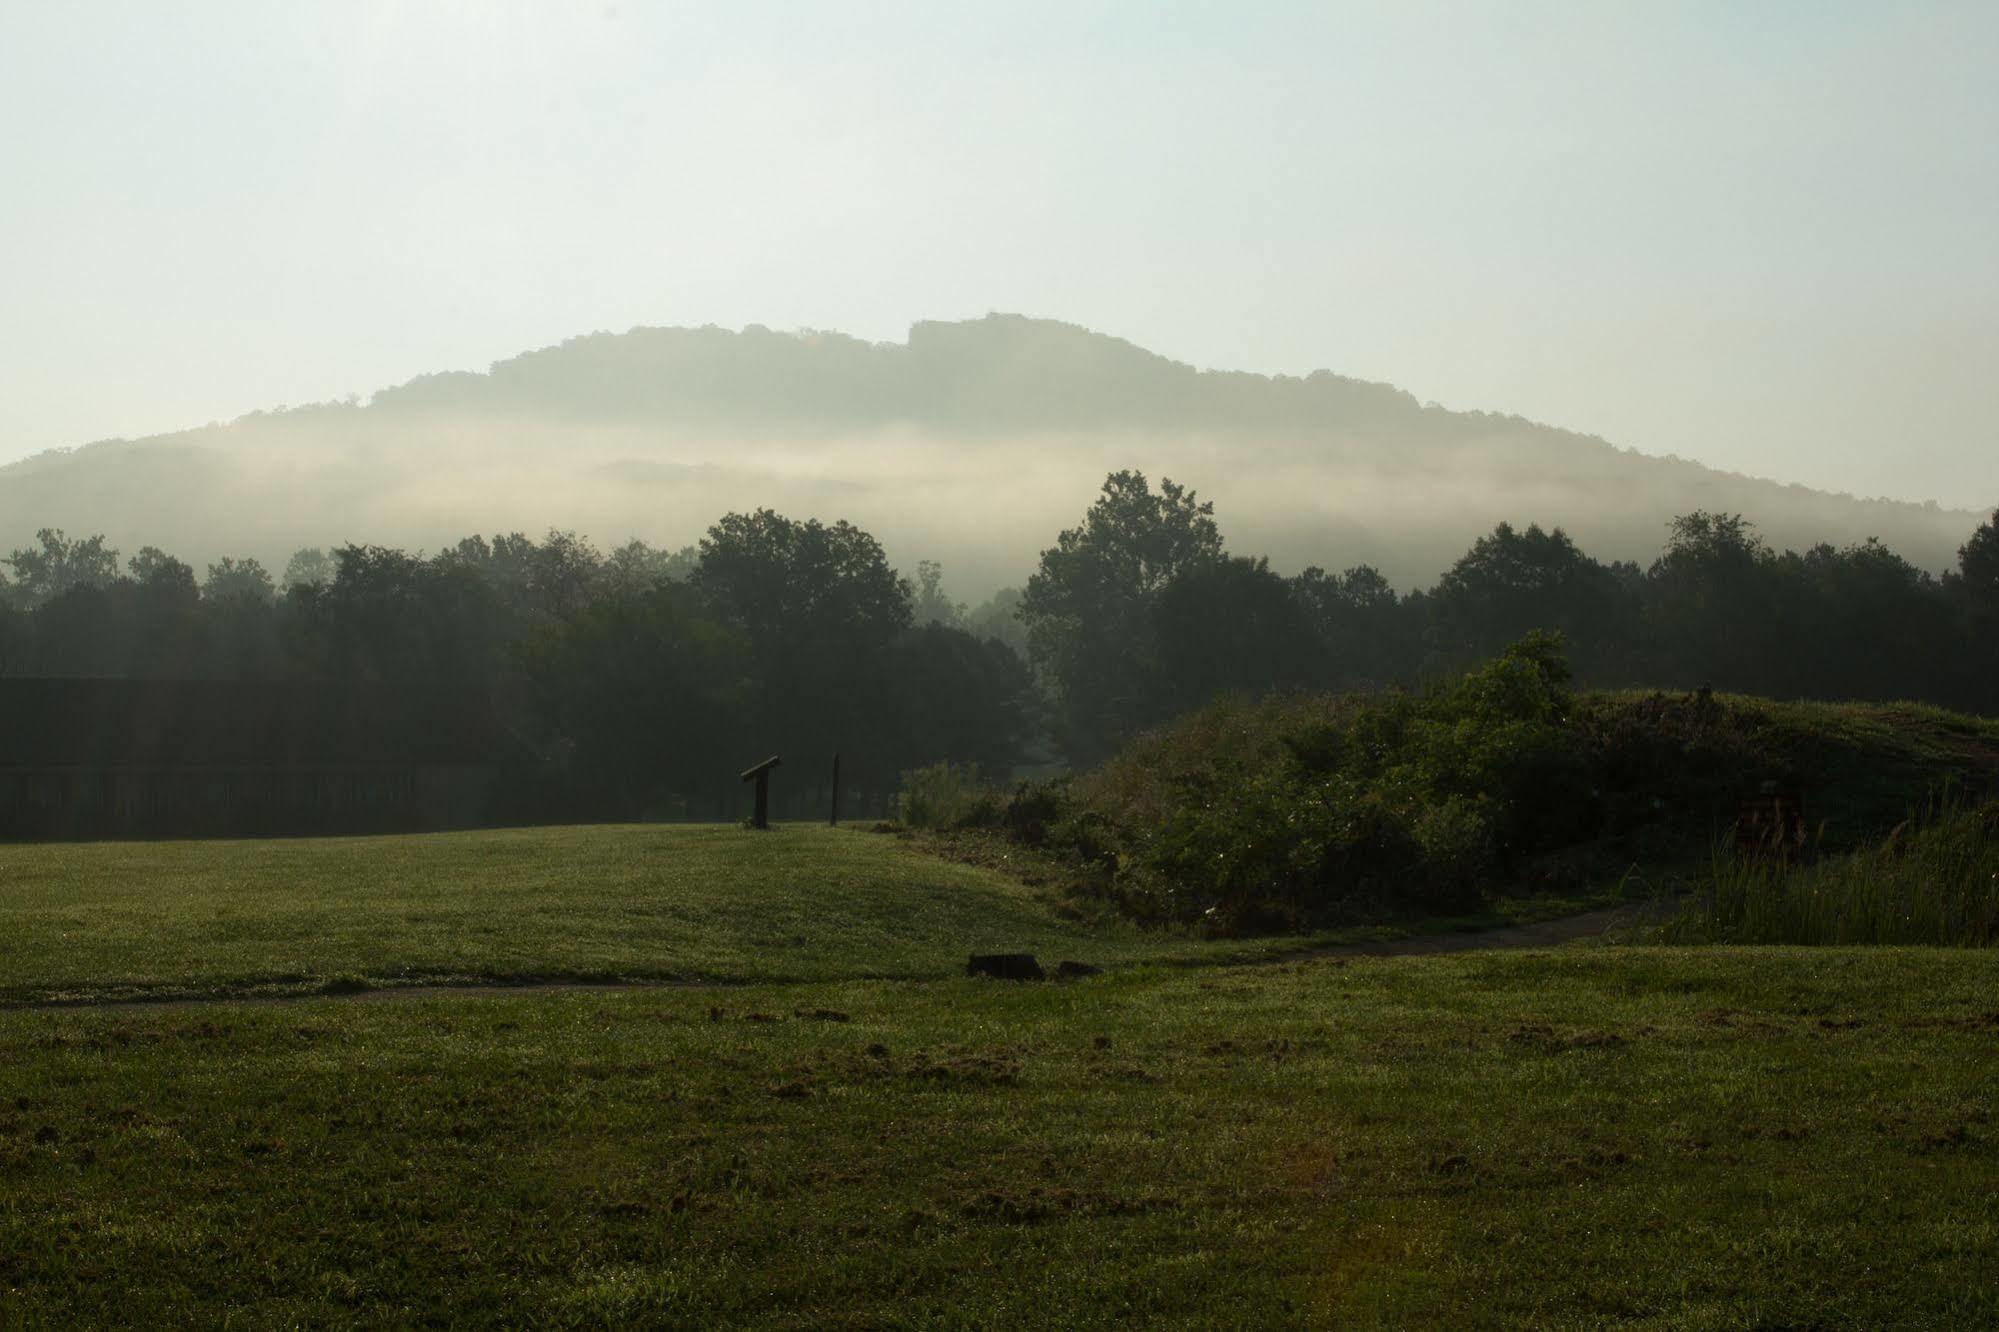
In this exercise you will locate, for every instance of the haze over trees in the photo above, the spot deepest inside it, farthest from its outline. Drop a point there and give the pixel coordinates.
(962, 445)
(639, 680)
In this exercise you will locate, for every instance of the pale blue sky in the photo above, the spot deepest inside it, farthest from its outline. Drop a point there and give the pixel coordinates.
(1765, 236)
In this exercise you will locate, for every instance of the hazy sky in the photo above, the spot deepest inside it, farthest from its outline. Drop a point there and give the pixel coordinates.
(1761, 235)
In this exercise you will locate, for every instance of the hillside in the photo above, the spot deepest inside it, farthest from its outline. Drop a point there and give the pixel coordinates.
(973, 443)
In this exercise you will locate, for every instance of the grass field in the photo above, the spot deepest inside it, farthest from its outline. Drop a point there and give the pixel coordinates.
(660, 902)
(1654, 1137)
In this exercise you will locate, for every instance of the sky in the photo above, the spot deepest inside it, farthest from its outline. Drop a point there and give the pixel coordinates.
(1761, 236)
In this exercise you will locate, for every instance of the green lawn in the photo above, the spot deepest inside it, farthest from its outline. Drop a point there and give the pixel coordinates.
(659, 902)
(852, 1134)
(662, 902)
(1650, 1137)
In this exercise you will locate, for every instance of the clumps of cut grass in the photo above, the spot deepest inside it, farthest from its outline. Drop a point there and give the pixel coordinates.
(1934, 879)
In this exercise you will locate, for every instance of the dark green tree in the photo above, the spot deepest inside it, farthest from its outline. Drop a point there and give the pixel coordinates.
(960, 699)
(1088, 608)
(642, 696)
(57, 564)
(820, 608)
(1715, 612)
(391, 617)
(1231, 626)
(1978, 566)
(1512, 583)
(231, 579)
(1368, 636)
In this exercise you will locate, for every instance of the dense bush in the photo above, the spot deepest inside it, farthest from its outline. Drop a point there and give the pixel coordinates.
(1278, 813)
(1302, 809)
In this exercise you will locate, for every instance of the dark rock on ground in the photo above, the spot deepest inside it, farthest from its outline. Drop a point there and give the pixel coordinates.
(1005, 966)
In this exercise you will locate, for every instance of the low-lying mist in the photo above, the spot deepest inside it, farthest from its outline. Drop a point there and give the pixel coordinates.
(974, 445)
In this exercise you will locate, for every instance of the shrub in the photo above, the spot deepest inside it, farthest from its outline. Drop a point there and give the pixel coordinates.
(1279, 813)
(946, 796)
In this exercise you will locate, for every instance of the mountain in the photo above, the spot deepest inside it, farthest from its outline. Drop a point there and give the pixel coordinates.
(973, 443)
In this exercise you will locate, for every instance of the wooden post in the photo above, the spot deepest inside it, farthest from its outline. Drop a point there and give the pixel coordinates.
(760, 774)
(833, 818)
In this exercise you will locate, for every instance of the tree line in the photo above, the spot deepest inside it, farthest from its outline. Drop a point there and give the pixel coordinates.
(1140, 613)
(637, 680)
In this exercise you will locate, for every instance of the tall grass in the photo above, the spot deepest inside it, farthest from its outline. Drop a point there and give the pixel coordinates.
(946, 796)
(1933, 880)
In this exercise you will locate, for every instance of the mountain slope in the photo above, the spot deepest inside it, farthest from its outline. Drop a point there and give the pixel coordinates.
(973, 442)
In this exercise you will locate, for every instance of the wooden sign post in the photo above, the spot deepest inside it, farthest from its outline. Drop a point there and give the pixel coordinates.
(761, 774)
(833, 817)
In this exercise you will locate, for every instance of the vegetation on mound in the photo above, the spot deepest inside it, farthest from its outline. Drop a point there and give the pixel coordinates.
(1294, 811)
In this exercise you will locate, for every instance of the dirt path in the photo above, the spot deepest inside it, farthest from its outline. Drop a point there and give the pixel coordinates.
(1543, 934)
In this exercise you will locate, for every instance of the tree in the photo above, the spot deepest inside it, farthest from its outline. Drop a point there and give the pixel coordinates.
(1714, 610)
(820, 607)
(1865, 623)
(1088, 608)
(998, 616)
(13, 638)
(536, 582)
(931, 605)
(85, 631)
(783, 582)
(1366, 633)
(1978, 566)
(647, 694)
(960, 699)
(1511, 583)
(239, 599)
(1231, 626)
(162, 574)
(159, 614)
(389, 616)
(1974, 587)
(307, 568)
(634, 567)
(59, 564)
(244, 580)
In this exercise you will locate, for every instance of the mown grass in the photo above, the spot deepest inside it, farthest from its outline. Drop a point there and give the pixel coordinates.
(1658, 1138)
(659, 902)
(651, 902)
(1932, 880)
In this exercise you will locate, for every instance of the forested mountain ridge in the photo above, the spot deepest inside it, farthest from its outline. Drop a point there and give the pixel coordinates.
(967, 443)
